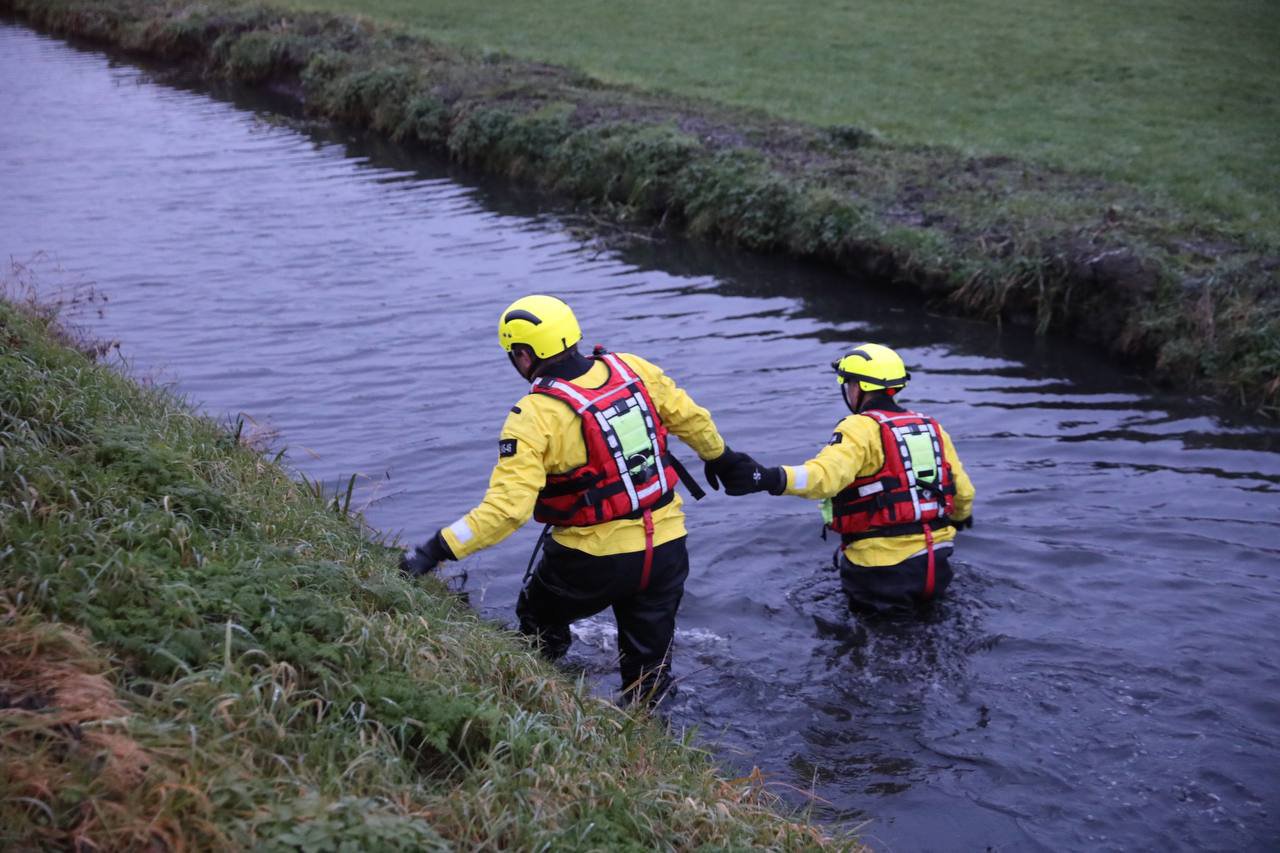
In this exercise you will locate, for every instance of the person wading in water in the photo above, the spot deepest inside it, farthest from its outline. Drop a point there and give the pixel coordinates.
(890, 483)
(586, 453)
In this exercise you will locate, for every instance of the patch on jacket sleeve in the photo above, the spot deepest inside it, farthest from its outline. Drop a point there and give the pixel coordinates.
(515, 410)
(506, 447)
(836, 438)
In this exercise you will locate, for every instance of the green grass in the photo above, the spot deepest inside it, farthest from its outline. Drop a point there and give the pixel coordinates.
(1178, 292)
(1180, 97)
(198, 652)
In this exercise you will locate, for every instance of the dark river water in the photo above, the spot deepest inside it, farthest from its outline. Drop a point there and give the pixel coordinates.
(1104, 675)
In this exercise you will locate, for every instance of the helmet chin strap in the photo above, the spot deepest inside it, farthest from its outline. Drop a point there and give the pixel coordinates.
(533, 367)
(538, 366)
(862, 398)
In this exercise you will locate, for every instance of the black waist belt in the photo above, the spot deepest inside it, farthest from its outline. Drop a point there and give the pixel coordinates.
(567, 486)
(889, 496)
(557, 517)
(596, 496)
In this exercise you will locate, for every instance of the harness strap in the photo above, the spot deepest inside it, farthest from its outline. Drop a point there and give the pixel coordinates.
(899, 530)
(566, 487)
(880, 484)
(930, 571)
(695, 490)
(537, 546)
(871, 504)
(879, 499)
(648, 550)
(934, 488)
(593, 496)
(591, 499)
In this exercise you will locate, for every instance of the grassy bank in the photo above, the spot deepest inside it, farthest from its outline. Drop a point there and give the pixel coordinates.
(197, 652)
(1185, 294)
(1174, 95)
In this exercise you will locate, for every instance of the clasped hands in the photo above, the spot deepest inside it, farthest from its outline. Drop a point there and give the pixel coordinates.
(742, 475)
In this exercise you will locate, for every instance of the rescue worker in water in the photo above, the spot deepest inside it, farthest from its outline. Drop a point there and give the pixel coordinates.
(891, 486)
(585, 452)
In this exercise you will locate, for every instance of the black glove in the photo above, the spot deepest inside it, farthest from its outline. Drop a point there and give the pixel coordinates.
(747, 476)
(962, 524)
(715, 469)
(426, 557)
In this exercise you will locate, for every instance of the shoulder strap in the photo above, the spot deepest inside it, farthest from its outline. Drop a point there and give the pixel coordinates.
(586, 398)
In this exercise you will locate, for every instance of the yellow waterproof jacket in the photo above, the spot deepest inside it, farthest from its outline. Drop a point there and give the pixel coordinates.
(543, 436)
(859, 452)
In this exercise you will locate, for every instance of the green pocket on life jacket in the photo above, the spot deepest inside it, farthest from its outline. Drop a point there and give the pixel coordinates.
(637, 446)
(923, 462)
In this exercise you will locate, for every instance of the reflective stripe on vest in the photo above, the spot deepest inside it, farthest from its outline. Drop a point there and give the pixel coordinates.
(903, 497)
(610, 484)
(904, 453)
(649, 417)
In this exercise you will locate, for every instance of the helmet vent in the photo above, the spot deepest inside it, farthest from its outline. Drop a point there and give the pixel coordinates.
(521, 314)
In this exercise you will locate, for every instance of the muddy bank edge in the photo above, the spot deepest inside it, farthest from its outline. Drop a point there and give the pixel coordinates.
(990, 237)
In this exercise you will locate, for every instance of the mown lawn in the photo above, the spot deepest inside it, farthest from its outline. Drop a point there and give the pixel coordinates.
(1180, 97)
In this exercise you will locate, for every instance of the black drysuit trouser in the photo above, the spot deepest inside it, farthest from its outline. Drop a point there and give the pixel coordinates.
(569, 585)
(894, 589)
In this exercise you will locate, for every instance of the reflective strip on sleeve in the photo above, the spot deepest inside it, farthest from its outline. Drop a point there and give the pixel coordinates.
(461, 531)
(799, 478)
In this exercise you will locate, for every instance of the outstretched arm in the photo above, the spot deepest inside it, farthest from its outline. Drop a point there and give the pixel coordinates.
(507, 504)
(853, 451)
(518, 476)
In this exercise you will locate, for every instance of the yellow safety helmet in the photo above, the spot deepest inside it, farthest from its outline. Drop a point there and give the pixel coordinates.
(543, 323)
(874, 367)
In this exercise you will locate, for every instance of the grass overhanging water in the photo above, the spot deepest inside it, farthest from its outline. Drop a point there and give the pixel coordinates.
(196, 651)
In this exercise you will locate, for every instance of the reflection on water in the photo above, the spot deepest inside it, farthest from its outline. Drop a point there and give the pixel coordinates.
(1103, 674)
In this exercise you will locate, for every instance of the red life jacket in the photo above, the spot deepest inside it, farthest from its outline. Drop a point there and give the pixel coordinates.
(628, 469)
(904, 496)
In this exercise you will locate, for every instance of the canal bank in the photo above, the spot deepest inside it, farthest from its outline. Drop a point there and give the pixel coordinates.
(198, 652)
(992, 237)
